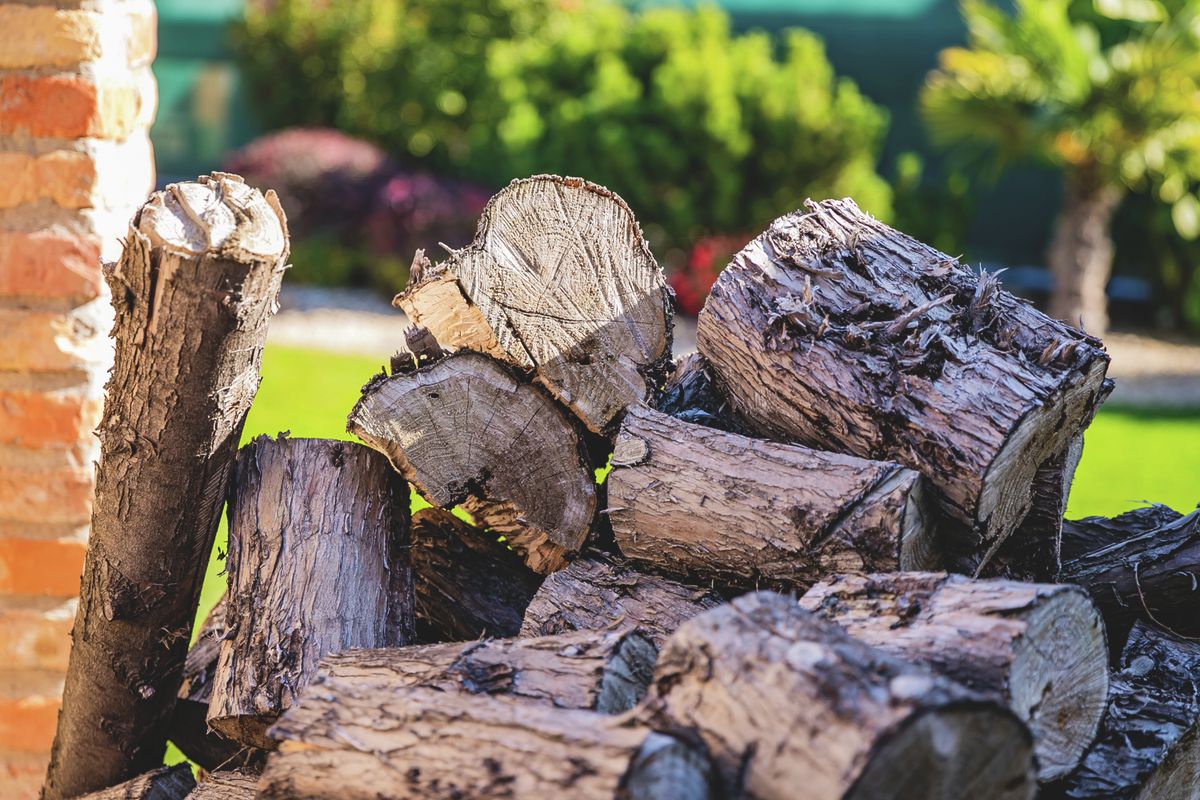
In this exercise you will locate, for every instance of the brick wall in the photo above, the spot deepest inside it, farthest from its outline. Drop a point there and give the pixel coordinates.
(76, 101)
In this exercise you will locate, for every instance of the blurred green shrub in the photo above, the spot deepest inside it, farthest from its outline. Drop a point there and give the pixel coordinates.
(937, 210)
(701, 131)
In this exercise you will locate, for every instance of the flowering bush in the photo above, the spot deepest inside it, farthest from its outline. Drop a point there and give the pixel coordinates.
(707, 258)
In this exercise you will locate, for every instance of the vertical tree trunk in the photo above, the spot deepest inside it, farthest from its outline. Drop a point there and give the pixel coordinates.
(193, 291)
(1081, 254)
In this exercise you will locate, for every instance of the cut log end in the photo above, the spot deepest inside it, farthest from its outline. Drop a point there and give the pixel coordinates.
(666, 768)
(560, 281)
(951, 753)
(466, 431)
(627, 674)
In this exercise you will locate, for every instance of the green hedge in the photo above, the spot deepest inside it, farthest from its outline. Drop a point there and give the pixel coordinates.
(700, 130)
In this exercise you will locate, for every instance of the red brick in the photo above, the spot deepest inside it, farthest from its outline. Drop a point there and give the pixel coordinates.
(21, 774)
(142, 41)
(27, 724)
(49, 496)
(47, 419)
(54, 341)
(41, 567)
(50, 265)
(71, 106)
(31, 638)
(43, 36)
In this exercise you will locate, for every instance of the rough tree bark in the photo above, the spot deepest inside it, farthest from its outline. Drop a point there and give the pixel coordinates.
(193, 292)
(789, 706)
(466, 432)
(227, 785)
(594, 670)
(597, 593)
(692, 395)
(715, 506)
(838, 332)
(467, 584)
(189, 729)
(318, 562)
(1081, 254)
(164, 783)
(1039, 648)
(1083, 536)
(1149, 742)
(1153, 575)
(348, 741)
(558, 281)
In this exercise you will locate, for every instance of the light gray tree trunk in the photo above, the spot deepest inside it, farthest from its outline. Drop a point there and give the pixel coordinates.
(1081, 255)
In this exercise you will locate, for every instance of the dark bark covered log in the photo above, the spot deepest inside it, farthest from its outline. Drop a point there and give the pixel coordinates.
(558, 281)
(466, 431)
(318, 562)
(716, 506)
(595, 670)
(164, 783)
(838, 332)
(595, 594)
(1039, 648)
(790, 706)
(227, 785)
(1083, 536)
(1153, 576)
(1149, 742)
(467, 584)
(189, 729)
(692, 395)
(347, 739)
(193, 292)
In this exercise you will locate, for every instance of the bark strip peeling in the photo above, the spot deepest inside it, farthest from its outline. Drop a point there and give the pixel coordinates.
(194, 290)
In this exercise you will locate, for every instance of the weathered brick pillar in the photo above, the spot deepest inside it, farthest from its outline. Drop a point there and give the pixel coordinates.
(76, 101)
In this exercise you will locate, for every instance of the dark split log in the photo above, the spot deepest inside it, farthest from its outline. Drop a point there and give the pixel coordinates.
(227, 785)
(1083, 536)
(691, 395)
(715, 506)
(193, 292)
(465, 431)
(318, 562)
(1148, 747)
(1153, 575)
(164, 783)
(1038, 648)
(348, 740)
(467, 584)
(599, 594)
(558, 281)
(189, 729)
(594, 670)
(835, 331)
(790, 706)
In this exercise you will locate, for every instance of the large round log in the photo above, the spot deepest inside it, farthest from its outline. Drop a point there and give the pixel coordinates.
(193, 292)
(836, 331)
(1148, 747)
(790, 707)
(714, 506)
(466, 431)
(1039, 648)
(597, 593)
(318, 562)
(605, 672)
(349, 740)
(559, 281)
(467, 584)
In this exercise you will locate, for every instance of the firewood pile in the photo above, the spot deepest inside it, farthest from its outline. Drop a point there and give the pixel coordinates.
(823, 557)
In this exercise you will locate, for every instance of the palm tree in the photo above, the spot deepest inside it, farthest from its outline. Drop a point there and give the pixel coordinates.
(1107, 90)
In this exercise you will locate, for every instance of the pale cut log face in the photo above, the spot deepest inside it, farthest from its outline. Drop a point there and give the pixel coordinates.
(559, 280)
(465, 431)
(219, 215)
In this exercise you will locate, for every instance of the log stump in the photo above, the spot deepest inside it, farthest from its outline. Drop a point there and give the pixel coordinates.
(605, 672)
(467, 584)
(789, 706)
(193, 291)
(597, 593)
(466, 431)
(837, 332)
(715, 506)
(318, 562)
(560, 282)
(1039, 648)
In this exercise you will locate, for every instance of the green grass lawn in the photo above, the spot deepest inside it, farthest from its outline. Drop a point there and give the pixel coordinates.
(1129, 457)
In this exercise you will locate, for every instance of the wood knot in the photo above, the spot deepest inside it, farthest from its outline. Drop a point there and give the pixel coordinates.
(630, 451)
